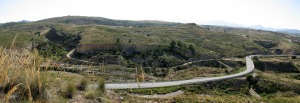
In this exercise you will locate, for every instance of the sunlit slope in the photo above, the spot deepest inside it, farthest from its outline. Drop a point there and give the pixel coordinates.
(205, 41)
(286, 44)
(208, 40)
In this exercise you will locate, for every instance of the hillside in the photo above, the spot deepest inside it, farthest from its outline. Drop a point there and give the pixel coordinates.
(144, 51)
(81, 20)
(274, 41)
(23, 40)
(98, 39)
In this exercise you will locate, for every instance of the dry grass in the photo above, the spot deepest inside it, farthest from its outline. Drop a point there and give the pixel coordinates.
(196, 98)
(83, 84)
(6, 98)
(22, 80)
(70, 91)
(279, 78)
(232, 99)
(20, 74)
(196, 71)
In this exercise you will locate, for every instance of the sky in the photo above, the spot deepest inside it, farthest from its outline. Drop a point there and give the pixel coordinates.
(269, 13)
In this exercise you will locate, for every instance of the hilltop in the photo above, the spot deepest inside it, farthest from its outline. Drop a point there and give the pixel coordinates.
(82, 20)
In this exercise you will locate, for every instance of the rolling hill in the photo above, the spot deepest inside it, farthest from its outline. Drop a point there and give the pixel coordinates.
(130, 51)
(81, 20)
(97, 38)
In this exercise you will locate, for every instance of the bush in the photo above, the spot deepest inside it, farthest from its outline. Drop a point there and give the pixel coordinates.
(296, 77)
(83, 84)
(90, 95)
(20, 76)
(36, 92)
(101, 86)
(249, 78)
(70, 91)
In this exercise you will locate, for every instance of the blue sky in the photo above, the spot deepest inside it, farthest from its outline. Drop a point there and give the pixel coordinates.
(270, 13)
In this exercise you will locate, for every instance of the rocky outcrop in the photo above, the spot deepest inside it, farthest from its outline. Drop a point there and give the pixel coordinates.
(68, 41)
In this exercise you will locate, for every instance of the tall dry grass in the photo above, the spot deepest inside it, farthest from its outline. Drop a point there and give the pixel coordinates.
(20, 74)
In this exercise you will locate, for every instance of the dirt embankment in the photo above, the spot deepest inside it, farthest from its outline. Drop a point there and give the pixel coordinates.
(282, 67)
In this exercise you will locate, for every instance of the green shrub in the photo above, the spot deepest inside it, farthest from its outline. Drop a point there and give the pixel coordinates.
(296, 77)
(249, 78)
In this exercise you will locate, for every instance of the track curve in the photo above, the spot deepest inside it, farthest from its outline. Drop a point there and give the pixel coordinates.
(249, 69)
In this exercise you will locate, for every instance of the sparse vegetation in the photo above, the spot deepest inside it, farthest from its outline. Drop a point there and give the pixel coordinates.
(90, 94)
(27, 77)
(49, 50)
(118, 47)
(101, 86)
(83, 84)
(69, 91)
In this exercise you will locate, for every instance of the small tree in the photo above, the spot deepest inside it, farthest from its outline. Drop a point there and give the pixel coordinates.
(118, 40)
(255, 58)
(249, 78)
(179, 44)
(143, 54)
(192, 49)
(172, 45)
(227, 71)
(129, 41)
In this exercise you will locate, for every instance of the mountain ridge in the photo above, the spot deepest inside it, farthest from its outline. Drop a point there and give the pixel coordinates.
(86, 20)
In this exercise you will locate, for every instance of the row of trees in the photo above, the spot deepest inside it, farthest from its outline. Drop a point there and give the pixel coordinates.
(175, 53)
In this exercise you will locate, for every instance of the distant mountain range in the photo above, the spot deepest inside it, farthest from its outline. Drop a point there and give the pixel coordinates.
(84, 20)
(24, 21)
(294, 32)
(259, 27)
(289, 31)
(9, 24)
(222, 23)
